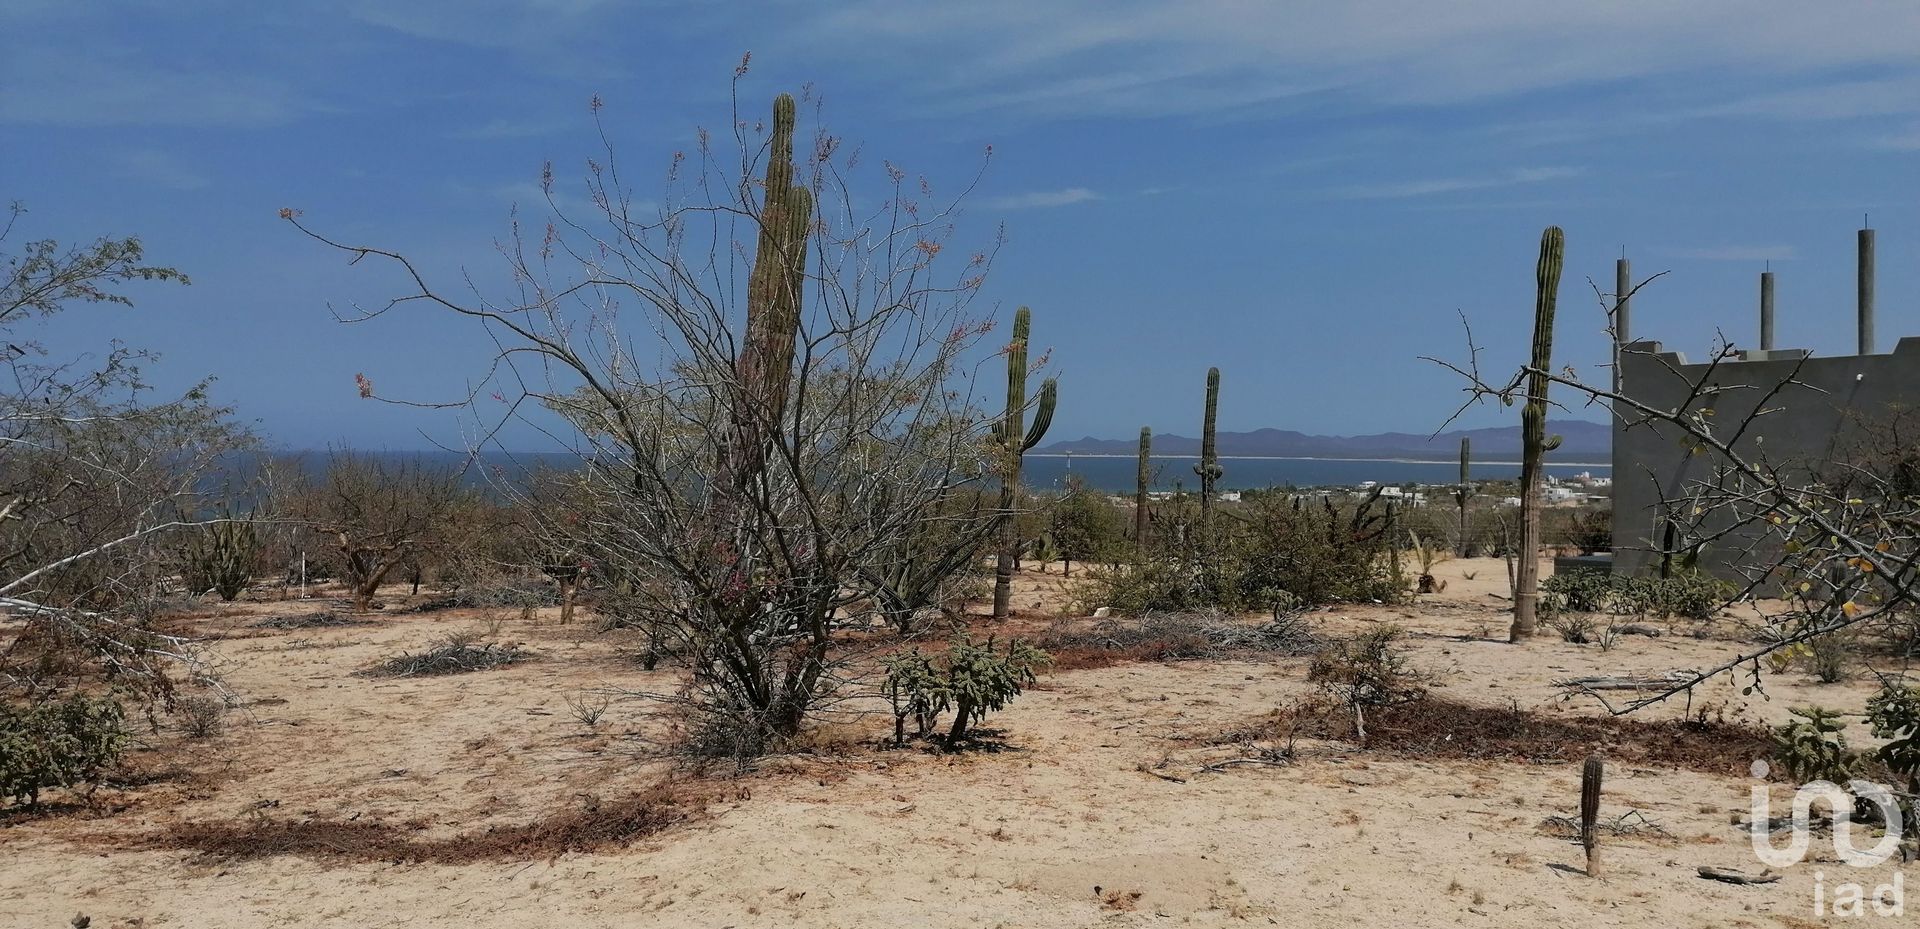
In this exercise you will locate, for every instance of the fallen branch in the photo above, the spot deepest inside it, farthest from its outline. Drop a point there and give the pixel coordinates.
(1730, 876)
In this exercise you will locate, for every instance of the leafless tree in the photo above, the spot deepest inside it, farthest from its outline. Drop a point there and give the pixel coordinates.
(381, 513)
(749, 485)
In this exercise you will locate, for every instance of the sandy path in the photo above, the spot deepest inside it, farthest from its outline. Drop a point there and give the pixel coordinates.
(1017, 838)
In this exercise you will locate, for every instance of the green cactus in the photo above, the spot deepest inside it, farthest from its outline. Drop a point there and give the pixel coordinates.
(774, 290)
(1015, 439)
(1590, 775)
(1533, 431)
(221, 556)
(1209, 467)
(1140, 487)
(1464, 493)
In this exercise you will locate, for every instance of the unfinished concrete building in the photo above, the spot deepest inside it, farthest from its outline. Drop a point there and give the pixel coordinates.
(1831, 409)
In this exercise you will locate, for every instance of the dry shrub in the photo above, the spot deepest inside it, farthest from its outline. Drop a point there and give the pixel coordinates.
(321, 620)
(594, 827)
(455, 653)
(1173, 637)
(1437, 728)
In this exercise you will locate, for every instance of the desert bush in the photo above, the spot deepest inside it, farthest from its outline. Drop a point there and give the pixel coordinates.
(202, 715)
(1174, 637)
(971, 679)
(58, 743)
(454, 653)
(1365, 672)
(494, 592)
(587, 709)
(1275, 546)
(1161, 583)
(1692, 595)
(1829, 658)
(1591, 530)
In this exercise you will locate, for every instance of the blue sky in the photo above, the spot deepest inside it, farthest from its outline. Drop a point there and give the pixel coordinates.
(1303, 194)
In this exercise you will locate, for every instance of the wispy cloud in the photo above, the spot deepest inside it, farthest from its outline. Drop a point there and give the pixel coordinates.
(78, 87)
(500, 128)
(1041, 199)
(158, 168)
(1737, 253)
(1084, 56)
(1427, 187)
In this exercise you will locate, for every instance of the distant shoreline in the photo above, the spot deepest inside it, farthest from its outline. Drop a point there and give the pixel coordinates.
(1423, 461)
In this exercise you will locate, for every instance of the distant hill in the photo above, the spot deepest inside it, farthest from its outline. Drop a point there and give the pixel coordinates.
(1581, 441)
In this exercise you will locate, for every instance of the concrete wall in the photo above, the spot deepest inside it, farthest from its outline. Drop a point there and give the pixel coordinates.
(1805, 427)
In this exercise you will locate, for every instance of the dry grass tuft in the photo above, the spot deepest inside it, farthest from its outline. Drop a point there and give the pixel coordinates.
(457, 653)
(593, 828)
(1437, 728)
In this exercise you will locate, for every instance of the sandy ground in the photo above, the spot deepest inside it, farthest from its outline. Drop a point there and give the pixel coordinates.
(1062, 829)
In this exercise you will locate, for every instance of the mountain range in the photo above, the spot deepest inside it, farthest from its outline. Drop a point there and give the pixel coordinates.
(1582, 441)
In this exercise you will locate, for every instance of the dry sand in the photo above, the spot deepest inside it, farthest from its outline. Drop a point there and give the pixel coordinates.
(1062, 829)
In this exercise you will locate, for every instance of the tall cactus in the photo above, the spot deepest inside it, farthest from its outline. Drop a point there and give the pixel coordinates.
(1209, 467)
(1533, 433)
(1014, 439)
(775, 287)
(1140, 488)
(221, 556)
(1590, 775)
(1464, 493)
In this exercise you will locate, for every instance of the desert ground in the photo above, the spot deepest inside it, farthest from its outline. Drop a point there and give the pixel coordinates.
(1106, 803)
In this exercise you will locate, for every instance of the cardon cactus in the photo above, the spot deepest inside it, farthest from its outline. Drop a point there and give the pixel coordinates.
(1533, 433)
(1209, 467)
(1014, 438)
(1464, 493)
(775, 288)
(221, 556)
(1140, 487)
(1590, 812)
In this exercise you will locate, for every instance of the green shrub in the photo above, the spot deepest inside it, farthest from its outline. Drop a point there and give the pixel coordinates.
(1894, 714)
(1813, 748)
(58, 743)
(971, 679)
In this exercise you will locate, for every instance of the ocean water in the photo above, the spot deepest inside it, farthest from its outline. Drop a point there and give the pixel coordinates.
(1111, 474)
(1118, 474)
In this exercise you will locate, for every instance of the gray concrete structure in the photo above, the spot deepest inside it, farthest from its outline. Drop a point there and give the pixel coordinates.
(1808, 425)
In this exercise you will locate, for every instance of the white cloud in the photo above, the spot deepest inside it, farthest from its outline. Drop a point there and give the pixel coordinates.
(1041, 199)
(1445, 185)
(501, 128)
(80, 86)
(1142, 57)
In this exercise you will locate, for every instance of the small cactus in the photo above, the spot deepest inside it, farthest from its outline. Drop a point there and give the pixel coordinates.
(1590, 776)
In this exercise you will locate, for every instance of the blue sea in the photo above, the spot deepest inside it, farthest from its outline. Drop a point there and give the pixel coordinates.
(1113, 474)
(1118, 473)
